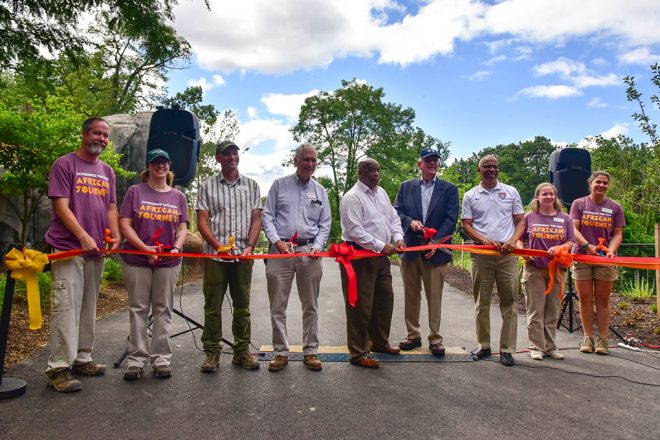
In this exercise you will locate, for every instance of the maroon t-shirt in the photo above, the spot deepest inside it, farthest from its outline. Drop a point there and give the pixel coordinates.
(90, 188)
(545, 231)
(152, 211)
(596, 220)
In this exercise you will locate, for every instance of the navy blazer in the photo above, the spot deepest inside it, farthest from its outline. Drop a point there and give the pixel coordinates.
(442, 214)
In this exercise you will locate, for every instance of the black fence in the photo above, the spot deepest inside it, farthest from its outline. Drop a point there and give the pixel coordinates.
(628, 276)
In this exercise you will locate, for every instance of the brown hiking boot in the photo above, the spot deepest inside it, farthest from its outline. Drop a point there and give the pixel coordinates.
(163, 371)
(312, 362)
(245, 360)
(210, 364)
(278, 363)
(133, 373)
(63, 381)
(90, 368)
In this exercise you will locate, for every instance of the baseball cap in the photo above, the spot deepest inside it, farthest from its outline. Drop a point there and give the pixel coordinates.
(155, 153)
(222, 146)
(428, 153)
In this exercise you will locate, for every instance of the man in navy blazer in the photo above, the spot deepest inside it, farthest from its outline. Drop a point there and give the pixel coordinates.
(429, 202)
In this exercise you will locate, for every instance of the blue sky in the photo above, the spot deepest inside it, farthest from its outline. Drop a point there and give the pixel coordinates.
(477, 73)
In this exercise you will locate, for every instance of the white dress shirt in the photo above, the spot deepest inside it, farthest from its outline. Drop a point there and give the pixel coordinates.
(368, 218)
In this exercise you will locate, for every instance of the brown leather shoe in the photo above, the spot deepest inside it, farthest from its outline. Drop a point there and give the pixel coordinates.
(312, 362)
(365, 362)
(278, 363)
(409, 344)
(387, 350)
(437, 349)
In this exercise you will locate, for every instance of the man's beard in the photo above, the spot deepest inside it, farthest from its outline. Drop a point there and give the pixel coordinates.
(95, 148)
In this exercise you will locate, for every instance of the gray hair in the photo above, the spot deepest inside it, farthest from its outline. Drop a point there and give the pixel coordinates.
(298, 151)
(487, 157)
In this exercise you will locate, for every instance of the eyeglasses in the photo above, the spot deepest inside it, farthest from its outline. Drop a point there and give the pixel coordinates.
(493, 167)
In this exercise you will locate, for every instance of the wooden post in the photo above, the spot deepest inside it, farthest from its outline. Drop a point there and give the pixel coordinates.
(657, 272)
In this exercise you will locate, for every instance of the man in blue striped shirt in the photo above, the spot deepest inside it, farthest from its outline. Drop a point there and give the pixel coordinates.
(296, 219)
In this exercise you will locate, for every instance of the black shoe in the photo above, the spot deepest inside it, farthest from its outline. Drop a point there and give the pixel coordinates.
(481, 353)
(507, 360)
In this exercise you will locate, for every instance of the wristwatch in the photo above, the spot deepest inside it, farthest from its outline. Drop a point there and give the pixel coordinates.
(585, 246)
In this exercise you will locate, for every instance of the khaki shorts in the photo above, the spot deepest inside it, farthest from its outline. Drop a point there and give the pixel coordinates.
(584, 271)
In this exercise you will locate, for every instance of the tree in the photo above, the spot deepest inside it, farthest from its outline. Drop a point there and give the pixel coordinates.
(29, 26)
(352, 123)
(523, 165)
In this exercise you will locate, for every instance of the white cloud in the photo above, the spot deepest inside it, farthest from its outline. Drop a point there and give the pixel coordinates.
(252, 112)
(641, 56)
(616, 130)
(282, 36)
(480, 75)
(562, 66)
(494, 60)
(286, 105)
(597, 103)
(583, 81)
(550, 92)
(257, 131)
(202, 82)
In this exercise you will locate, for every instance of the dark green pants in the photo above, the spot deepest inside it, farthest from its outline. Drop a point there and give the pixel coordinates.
(217, 276)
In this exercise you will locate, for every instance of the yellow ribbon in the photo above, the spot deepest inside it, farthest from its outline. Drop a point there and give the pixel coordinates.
(24, 266)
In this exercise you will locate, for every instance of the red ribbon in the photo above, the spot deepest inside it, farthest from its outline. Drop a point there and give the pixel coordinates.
(294, 239)
(343, 254)
(429, 233)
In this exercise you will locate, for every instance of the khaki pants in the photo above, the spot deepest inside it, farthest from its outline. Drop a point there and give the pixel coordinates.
(149, 289)
(74, 289)
(502, 270)
(279, 276)
(415, 273)
(542, 309)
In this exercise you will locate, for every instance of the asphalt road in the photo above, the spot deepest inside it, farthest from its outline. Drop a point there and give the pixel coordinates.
(583, 396)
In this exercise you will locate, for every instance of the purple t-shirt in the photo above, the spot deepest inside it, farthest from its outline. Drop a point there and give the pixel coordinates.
(545, 231)
(596, 220)
(90, 188)
(151, 211)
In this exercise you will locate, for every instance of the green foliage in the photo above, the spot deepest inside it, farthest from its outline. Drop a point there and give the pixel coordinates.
(638, 289)
(523, 165)
(112, 270)
(43, 279)
(654, 309)
(30, 26)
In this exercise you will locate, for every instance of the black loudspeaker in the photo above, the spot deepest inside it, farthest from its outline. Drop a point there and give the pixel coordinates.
(177, 132)
(569, 170)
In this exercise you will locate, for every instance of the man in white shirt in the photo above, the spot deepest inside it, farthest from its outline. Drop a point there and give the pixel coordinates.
(369, 221)
(493, 215)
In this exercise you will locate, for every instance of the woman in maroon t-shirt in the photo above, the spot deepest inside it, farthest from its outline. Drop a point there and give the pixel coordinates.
(595, 216)
(153, 217)
(549, 229)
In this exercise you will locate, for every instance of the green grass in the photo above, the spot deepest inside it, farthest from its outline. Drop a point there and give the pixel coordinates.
(112, 270)
(464, 261)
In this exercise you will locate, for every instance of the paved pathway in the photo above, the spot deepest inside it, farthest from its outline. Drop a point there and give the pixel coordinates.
(402, 400)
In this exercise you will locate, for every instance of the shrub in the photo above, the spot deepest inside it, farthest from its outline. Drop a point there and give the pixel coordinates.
(638, 289)
(112, 270)
(624, 305)
(654, 308)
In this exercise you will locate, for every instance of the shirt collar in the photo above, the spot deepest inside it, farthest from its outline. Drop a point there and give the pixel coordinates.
(423, 182)
(365, 188)
(498, 186)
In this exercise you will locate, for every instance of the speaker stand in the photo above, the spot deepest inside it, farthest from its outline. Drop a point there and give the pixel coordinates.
(568, 303)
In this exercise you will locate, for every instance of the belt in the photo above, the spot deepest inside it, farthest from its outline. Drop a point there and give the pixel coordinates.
(300, 241)
(355, 245)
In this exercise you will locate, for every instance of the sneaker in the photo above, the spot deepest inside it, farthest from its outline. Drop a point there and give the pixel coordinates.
(555, 354)
(602, 346)
(312, 362)
(133, 373)
(278, 363)
(210, 364)
(245, 360)
(90, 368)
(163, 371)
(537, 355)
(587, 345)
(63, 381)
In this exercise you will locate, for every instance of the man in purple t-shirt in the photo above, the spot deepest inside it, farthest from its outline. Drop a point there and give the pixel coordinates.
(82, 189)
